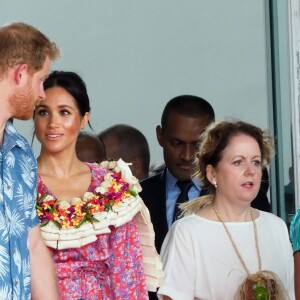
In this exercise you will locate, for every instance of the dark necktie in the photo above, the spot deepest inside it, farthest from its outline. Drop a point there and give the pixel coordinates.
(183, 196)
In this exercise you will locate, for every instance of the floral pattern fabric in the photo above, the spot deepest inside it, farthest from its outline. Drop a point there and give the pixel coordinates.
(109, 268)
(17, 214)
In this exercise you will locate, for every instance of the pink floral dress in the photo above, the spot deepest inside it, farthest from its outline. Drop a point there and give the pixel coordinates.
(109, 268)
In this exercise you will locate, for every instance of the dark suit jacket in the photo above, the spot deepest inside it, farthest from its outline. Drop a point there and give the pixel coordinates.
(154, 196)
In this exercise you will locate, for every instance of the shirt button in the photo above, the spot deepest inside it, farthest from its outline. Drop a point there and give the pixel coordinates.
(8, 187)
(14, 251)
(16, 282)
(8, 219)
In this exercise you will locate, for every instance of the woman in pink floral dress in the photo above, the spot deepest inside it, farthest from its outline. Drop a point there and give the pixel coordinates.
(92, 262)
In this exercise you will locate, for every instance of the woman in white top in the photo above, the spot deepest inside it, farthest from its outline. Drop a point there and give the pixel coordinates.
(223, 248)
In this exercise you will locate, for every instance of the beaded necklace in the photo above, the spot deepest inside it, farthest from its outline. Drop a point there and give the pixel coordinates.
(259, 290)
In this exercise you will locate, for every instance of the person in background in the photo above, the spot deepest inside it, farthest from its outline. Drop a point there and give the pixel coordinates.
(126, 142)
(261, 201)
(25, 59)
(289, 195)
(89, 148)
(91, 262)
(183, 120)
(223, 248)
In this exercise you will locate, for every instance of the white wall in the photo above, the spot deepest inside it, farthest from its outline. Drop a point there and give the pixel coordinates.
(135, 55)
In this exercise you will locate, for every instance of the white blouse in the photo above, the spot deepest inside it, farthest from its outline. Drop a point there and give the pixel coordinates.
(200, 262)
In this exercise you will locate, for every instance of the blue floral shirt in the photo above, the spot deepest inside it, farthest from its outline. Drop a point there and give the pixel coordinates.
(17, 213)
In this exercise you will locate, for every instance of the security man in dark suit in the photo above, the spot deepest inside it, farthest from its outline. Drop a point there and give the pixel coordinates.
(183, 120)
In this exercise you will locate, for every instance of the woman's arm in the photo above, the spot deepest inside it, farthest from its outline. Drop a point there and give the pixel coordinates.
(43, 278)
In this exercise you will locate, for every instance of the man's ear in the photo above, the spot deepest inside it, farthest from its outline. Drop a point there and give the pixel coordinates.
(20, 74)
(159, 135)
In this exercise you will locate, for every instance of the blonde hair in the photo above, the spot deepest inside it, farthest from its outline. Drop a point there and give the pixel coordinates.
(21, 43)
(191, 207)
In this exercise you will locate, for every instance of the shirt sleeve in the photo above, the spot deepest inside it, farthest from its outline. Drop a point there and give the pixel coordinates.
(178, 260)
(295, 231)
(126, 263)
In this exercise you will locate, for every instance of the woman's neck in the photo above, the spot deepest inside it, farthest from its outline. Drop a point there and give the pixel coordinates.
(230, 212)
(65, 178)
(61, 166)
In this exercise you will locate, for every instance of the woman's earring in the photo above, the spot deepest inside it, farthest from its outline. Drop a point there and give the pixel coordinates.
(215, 184)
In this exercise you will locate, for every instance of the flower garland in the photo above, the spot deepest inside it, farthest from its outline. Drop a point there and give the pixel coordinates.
(74, 224)
(115, 189)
